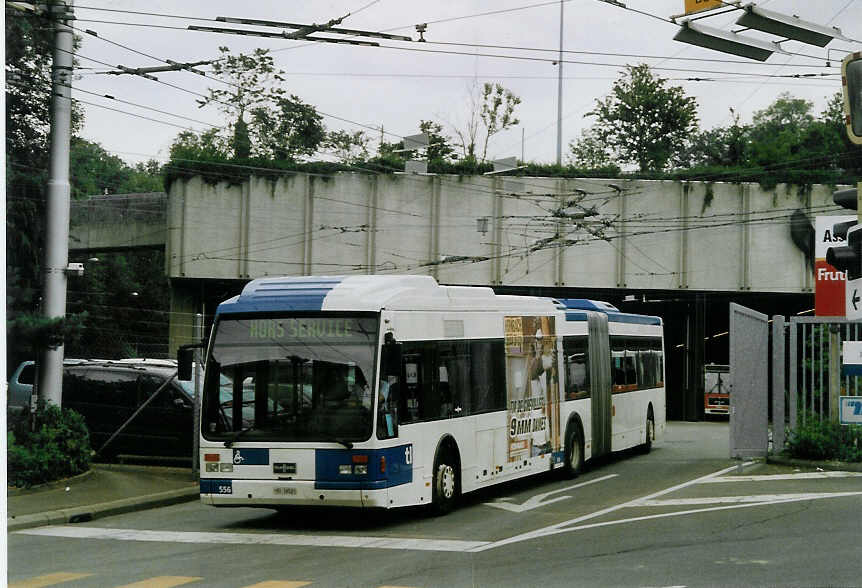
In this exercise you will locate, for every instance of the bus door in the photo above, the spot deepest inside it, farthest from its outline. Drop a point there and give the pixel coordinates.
(600, 383)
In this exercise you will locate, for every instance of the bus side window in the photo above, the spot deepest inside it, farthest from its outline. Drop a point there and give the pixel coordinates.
(576, 353)
(454, 379)
(484, 376)
(410, 410)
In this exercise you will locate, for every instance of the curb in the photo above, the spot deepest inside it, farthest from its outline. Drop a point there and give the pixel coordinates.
(82, 514)
(11, 491)
(834, 466)
(125, 467)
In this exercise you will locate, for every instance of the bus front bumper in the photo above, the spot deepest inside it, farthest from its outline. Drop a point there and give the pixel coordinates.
(276, 493)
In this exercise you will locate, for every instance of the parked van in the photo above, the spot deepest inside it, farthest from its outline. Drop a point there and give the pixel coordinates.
(108, 392)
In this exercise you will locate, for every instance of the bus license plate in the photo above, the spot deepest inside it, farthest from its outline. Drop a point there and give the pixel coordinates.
(284, 491)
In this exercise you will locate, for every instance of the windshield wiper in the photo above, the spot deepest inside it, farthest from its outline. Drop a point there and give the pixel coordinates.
(344, 442)
(237, 435)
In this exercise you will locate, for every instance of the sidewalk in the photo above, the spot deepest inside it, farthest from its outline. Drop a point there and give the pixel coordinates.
(107, 489)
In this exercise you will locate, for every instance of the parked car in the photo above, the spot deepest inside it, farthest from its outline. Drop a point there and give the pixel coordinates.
(108, 392)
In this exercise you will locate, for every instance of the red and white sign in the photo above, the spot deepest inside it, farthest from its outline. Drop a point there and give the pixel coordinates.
(829, 283)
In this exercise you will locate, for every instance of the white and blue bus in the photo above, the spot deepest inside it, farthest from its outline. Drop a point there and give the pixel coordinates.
(389, 391)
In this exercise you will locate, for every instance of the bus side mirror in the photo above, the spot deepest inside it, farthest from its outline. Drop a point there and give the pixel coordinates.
(185, 357)
(391, 357)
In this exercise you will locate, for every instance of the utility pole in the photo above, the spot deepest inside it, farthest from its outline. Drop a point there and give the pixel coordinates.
(560, 94)
(57, 211)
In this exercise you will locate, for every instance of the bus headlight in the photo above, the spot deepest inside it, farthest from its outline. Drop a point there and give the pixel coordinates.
(360, 469)
(345, 469)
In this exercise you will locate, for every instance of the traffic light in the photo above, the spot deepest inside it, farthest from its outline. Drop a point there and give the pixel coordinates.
(851, 77)
(848, 257)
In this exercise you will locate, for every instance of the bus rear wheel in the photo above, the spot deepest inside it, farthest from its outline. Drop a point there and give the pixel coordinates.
(574, 463)
(650, 434)
(445, 490)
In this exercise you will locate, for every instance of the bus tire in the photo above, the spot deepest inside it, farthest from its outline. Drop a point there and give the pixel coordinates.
(446, 485)
(574, 460)
(650, 432)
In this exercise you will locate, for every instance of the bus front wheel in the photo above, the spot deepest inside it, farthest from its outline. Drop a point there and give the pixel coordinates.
(445, 484)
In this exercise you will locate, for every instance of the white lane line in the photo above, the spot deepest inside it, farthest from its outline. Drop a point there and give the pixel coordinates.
(403, 543)
(766, 498)
(770, 478)
(539, 499)
(697, 511)
(552, 529)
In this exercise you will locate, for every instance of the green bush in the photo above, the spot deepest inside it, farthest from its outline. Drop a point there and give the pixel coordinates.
(57, 447)
(816, 439)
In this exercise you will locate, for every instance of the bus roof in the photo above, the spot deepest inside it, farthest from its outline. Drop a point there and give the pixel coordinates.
(370, 294)
(400, 292)
(575, 308)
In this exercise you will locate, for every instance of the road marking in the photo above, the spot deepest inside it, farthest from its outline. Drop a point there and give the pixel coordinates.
(553, 529)
(404, 543)
(162, 582)
(48, 580)
(740, 499)
(538, 500)
(278, 584)
(686, 512)
(770, 478)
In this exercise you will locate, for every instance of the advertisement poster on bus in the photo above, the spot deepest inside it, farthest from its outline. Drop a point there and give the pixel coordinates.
(532, 386)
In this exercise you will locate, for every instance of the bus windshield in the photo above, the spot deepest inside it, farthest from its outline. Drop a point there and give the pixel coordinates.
(284, 378)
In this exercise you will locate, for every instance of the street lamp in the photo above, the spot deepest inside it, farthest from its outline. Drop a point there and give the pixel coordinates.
(790, 27)
(726, 42)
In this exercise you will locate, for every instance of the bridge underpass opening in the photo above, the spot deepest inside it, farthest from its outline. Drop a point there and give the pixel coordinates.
(696, 324)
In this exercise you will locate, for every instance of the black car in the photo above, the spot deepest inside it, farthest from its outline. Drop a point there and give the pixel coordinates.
(107, 393)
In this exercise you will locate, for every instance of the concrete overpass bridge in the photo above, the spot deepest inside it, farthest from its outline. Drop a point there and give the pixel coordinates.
(682, 250)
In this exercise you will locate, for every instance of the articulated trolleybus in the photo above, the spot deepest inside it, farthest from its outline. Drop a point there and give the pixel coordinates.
(388, 391)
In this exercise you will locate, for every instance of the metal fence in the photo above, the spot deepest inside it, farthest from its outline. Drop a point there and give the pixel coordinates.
(813, 352)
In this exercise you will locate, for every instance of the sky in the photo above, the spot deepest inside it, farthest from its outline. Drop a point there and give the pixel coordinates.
(400, 83)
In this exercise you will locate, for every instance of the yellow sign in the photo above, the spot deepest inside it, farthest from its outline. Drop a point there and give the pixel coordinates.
(692, 6)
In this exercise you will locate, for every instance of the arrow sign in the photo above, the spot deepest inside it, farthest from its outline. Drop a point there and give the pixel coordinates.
(853, 300)
(539, 499)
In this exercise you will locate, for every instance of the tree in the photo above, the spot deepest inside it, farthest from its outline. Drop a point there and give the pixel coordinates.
(498, 112)
(643, 120)
(848, 155)
(209, 145)
(718, 147)
(349, 148)
(265, 121)
(288, 130)
(93, 171)
(29, 43)
(123, 301)
(251, 82)
(589, 151)
(778, 130)
(787, 135)
(493, 108)
(438, 143)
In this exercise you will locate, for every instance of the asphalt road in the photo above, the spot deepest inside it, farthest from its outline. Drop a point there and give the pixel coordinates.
(684, 515)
